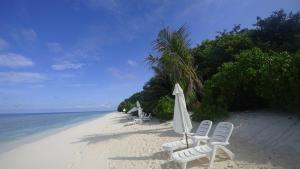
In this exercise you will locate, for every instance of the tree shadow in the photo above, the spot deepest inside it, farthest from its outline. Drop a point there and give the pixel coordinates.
(96, 138)
(202, 162)
(155, 156)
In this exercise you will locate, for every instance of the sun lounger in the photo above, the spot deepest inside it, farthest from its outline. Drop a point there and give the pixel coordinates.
(193, 140)
(219, 139)
(147, 118)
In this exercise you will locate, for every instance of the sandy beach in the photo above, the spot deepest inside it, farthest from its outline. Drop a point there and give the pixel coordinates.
(259, 141)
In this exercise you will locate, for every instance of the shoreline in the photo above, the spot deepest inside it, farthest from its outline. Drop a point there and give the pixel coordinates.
(10, 145)
(105, 142)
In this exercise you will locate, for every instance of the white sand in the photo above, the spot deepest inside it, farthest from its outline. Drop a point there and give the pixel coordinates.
(259, 142)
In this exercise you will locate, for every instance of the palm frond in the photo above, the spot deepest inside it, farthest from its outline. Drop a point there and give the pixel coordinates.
(175, 62)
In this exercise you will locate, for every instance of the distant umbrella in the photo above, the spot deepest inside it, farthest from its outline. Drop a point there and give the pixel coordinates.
(139, 108)
(132, 110)
(181, 122)
(138, 104)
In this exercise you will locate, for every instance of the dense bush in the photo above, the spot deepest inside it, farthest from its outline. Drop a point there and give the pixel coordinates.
(211, 54)
(279, 81)
(130, 102)
(256, 79)
(127, 105)
(278, 32)
(164, 108)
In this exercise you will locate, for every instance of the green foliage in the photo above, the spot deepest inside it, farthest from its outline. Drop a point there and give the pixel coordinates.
(153, 90)
(127, 105)
(175, 62)
(211, 54)
(278, 32)
(130, 102)
(256, 79)
(279, 81)
(164, 108)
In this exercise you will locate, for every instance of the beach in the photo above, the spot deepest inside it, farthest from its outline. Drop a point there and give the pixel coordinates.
(259, 141)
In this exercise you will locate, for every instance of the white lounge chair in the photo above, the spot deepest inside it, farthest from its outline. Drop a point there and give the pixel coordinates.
(147, 118)
(135, 121)
(139, 120)
(195, 138)
(219, 139)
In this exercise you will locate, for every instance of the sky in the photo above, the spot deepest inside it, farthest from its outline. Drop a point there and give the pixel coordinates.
(82, 55)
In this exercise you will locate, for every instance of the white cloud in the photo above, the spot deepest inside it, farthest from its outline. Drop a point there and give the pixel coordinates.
(131, 62)
(14, 60)
(119, 74)
(25, 36)
(67, 65)
(54, 47)
(21, 77)
(3, 44)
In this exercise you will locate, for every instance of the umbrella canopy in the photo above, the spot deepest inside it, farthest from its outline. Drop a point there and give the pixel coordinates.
(140, 112)
(139, 109)
(181, 121)
(132, 110)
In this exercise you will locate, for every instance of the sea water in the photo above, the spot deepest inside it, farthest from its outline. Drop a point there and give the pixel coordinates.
(14, 127)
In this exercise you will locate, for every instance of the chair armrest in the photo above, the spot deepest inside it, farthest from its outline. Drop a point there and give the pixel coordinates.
(219, 143)
(200, 137)
(190, 134)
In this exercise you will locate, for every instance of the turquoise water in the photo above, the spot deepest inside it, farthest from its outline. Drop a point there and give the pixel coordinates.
(17, 126)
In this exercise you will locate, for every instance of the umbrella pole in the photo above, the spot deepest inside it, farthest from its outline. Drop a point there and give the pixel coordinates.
(186, 139)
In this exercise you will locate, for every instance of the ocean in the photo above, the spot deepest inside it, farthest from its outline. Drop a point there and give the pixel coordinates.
(14, 127)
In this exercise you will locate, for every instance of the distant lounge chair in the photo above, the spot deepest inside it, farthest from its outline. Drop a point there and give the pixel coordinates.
(147, 118)
(135, 121)
(139, 120)
(194, 140)
(219, 139)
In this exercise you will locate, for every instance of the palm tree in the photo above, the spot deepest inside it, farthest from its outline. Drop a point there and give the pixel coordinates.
(175, 61)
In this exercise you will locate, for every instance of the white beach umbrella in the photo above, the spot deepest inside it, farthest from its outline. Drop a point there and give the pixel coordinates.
(139, 108)
(132, 110)
(138, 104)
(140, 112)
(181, 122)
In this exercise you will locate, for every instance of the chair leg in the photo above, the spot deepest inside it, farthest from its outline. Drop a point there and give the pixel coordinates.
(182, 165)
(170, 154)
(228, 152)
(212, 157)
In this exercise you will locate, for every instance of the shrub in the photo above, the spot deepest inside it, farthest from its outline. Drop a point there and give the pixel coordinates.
(279, 82)
(127, 105)
(255, 80)
(131, 102)
(164, 108)
(211, 54)
(210, 111)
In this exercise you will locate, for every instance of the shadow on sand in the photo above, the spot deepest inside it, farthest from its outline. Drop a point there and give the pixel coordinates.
(96, 138)
(202, 163)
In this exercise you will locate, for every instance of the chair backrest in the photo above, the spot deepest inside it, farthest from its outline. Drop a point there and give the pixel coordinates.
(222, 132)
(204, 128)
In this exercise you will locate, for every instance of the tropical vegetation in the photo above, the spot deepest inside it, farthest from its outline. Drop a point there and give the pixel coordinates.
(241, 69)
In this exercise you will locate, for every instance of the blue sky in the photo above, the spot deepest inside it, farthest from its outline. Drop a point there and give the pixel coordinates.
(72, 55)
